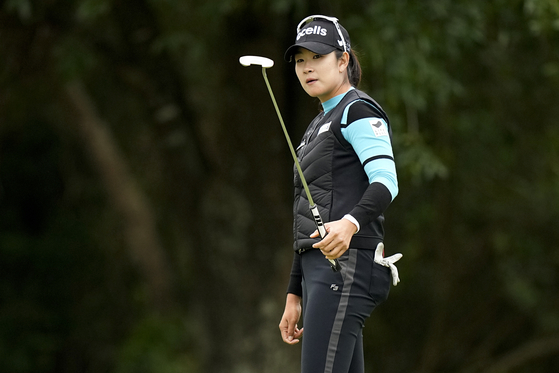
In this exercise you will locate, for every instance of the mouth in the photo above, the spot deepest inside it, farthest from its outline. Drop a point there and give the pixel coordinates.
(311, 80)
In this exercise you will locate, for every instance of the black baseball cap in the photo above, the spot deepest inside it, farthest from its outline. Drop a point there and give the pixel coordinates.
(320, 36)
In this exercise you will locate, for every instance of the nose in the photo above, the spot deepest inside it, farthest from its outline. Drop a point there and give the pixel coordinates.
(308, 69)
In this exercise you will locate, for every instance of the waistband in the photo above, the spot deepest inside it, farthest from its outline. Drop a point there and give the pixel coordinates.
(301, 251)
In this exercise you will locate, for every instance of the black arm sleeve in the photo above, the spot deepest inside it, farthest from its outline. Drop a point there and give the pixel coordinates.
(295, 281)
(374, 202)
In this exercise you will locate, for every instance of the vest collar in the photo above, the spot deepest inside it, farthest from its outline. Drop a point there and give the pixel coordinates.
(331, 103)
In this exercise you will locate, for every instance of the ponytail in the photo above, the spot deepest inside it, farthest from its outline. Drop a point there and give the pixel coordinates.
(353, 69)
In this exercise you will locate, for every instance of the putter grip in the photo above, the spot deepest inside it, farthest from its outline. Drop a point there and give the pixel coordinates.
(334, 264)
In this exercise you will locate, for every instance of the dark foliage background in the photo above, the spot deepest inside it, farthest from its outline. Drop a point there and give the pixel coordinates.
(145, 185)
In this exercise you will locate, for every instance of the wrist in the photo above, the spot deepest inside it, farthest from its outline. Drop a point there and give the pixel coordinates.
(352, 220)
(293, 299)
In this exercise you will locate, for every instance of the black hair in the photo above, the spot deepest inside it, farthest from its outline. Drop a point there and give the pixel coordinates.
(353, 69)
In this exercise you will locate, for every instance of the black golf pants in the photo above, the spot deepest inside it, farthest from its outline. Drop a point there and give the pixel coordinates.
(335, 307)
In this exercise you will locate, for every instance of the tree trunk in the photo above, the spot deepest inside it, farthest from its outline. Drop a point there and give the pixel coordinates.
(138, 223)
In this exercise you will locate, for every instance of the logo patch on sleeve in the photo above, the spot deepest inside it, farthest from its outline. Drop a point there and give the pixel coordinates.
(379, 128)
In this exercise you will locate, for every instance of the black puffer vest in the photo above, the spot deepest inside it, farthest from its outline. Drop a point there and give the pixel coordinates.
(335, 176)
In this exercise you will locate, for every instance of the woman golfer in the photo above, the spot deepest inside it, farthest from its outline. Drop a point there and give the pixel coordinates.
(346, 157)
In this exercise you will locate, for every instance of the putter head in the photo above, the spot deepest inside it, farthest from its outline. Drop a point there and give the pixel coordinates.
(256, 60)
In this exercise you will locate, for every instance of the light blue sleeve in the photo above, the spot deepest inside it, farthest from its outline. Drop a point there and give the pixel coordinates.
(371, 142)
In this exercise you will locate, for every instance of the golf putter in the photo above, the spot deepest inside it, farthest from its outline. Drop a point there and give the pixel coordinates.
(267, 63)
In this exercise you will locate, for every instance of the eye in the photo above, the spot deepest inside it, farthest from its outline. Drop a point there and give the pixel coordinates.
(298, 60)
(316, 56)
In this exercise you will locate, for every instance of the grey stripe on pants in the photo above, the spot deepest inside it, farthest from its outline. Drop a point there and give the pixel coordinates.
(349, 271)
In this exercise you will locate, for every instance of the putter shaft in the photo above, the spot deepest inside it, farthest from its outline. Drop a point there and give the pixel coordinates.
(334, 263)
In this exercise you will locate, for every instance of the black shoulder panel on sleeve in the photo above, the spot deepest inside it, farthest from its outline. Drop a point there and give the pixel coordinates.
(359, 110)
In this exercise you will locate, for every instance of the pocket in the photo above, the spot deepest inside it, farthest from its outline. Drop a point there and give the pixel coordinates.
(343, 260)
(380, 283)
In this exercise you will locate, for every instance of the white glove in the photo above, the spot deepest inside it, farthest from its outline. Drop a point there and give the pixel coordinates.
(388, 262)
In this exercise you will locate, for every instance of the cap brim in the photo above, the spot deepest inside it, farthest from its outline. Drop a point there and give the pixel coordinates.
(313, 46)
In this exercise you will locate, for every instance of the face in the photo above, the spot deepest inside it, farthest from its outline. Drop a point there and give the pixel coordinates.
(322, 76)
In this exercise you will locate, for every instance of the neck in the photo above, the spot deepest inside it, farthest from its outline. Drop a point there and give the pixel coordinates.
(343, 88)
(333, 102)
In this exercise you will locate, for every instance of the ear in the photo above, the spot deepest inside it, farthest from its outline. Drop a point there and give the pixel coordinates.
(343, 62)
